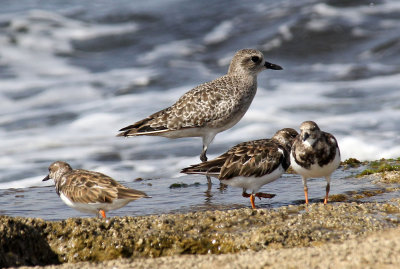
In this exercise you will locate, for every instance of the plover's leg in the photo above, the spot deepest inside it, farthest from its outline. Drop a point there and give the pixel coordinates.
(305, 189)
(203, 156)
(264, 195)
(206, 141)
(328, 187)
(209, 183)
(102, 213)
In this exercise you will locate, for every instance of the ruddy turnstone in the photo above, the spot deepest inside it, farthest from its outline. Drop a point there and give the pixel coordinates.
(250, 165)
(314, 154)
(88, 191)
(209, 108)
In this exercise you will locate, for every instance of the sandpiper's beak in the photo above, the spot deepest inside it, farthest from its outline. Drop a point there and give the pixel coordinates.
(46, 178)
(272, 66)
(305, 136)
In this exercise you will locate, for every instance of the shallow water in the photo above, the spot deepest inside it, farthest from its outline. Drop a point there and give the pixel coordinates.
(193, 195)
(72, 74)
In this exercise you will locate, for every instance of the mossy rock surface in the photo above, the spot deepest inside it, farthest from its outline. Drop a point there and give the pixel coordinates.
(91, 239)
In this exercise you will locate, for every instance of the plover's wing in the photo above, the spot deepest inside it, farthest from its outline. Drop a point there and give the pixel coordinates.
(254, 158)
(202, 105)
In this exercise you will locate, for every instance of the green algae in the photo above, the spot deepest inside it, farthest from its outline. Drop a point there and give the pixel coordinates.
(183, 185)
(351, 163)
(381, 166)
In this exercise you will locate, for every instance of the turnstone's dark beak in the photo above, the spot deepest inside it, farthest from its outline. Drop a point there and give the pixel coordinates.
(305, 136)
(272, 66)
(46, 178)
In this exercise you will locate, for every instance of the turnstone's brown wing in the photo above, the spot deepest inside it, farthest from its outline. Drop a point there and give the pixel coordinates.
(83, 186)
(254, 158)
(206, 103)
(328, 152)
(323, 151)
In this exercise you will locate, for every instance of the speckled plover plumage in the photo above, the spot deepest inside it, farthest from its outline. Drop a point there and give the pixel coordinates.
(88, 191)
(250, 165)
(314, 154)
(209, 108)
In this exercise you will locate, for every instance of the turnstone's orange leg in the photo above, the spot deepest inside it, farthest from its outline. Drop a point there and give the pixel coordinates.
(252, 201)
(252, 197)
(265, 195)
(306, 194)
(305, 189)
(102, 213)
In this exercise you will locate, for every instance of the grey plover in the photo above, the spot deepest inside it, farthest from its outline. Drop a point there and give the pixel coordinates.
(88, 191)
(250, 165)
(314, 154)
(209, 108)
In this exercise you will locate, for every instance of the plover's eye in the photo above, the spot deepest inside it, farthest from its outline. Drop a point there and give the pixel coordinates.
(255, 59)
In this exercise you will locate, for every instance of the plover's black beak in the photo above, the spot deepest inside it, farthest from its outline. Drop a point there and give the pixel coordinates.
(272, 66)
(305, 136)
(46, 178)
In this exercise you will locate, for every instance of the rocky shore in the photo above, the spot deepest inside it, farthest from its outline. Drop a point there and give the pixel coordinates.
(347, 232)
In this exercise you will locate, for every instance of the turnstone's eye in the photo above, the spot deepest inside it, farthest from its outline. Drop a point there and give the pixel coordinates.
(255, 59)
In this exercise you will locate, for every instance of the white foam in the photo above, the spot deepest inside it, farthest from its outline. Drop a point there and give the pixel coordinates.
(174, 48)
(219, 33)
(25, 183)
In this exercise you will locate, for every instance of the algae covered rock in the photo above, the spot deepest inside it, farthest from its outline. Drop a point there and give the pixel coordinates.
(22, 243)
(35, 242)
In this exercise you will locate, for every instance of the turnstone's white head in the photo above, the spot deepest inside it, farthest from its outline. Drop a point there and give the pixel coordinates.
(89, 191)
(310, 132)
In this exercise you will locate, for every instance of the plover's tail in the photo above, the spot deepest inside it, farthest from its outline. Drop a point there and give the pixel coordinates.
(152, 125)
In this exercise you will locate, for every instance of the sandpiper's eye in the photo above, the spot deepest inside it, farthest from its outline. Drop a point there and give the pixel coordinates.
(255, 59)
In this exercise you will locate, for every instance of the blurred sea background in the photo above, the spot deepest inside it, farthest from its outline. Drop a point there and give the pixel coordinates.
(72, 73)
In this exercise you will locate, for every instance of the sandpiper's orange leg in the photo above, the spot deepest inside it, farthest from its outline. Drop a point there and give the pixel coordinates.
(102, 213)
(252, 197)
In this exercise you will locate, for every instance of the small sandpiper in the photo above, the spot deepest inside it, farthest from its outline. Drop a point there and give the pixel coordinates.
(250, 165)
(88, 191)
(314, 154)
(209, 108)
